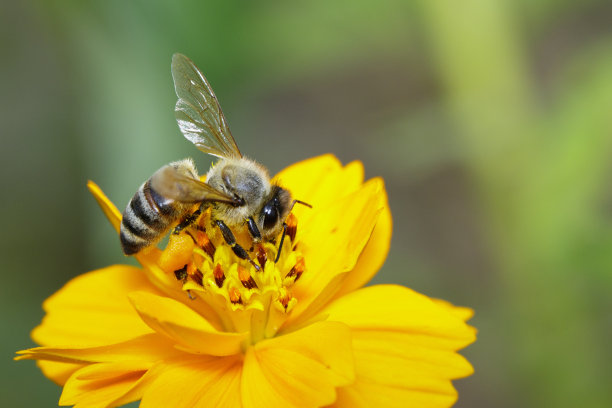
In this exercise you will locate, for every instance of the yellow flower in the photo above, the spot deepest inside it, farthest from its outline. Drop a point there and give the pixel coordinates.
(196, 326)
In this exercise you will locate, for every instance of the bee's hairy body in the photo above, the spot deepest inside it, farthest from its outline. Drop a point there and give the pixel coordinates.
(237, 190)
(249, 182)
(149, 215)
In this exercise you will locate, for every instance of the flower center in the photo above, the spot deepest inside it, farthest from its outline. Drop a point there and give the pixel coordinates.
(246, 298)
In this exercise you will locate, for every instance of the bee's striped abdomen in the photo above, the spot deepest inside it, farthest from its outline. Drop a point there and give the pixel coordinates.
(147, 218)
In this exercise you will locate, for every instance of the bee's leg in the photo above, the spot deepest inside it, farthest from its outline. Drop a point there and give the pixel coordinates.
(188, 221)
(229, 238)
(253, 230)
(280, 247)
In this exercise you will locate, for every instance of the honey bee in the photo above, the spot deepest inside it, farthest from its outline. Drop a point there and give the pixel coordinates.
(238, 190)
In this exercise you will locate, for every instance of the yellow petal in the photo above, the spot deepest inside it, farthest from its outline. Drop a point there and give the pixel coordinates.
(185, 326)
(404, 345)
(464, 313)
(149, 347)
(299, 369)
(365, 395)
(396, 308)
(93, 309)
(58, 372)
(320, 181)
(373, 255)
(86, 390)
(194, 382)
(332, 242)
(111, 212)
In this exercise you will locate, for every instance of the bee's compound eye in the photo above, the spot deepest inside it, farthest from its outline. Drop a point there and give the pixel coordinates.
(270, 214)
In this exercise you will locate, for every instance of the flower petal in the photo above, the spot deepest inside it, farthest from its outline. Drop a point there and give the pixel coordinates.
(111, 212)
(194, 381)
(86, 389)
(58, 372)
(399, 309)
(93, 309)
(405, 348)
(366, 394)
(149, 347)
(320, 181)
(332, 242)
(464, 313)
(298, 369)
(185, 326)
(373, 255)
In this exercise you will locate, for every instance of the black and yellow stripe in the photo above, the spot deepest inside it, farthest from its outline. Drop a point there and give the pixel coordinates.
(147, 218)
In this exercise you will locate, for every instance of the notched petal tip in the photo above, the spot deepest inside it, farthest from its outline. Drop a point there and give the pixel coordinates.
(109, 209)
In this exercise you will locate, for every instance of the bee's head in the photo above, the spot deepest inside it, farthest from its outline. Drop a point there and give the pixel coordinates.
(274, 212)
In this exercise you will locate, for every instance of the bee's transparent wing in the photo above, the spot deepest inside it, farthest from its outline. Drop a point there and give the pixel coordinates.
(198, 112)
(169, 183)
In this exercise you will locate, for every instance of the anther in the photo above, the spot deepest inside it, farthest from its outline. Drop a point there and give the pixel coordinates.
(195, 274)
(298, 269)
(285, 298)
(291, 222)
(219, 275)
(204, 242)
(246, 278)
(262, 257)
(234, 295)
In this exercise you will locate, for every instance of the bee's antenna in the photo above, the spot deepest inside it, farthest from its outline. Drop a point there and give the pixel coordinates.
(300, 202)
(280, 247)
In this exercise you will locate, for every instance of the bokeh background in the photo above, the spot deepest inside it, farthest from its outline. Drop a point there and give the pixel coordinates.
(491, 122)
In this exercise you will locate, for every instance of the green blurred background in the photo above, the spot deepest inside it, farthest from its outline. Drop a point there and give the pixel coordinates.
(489, 120)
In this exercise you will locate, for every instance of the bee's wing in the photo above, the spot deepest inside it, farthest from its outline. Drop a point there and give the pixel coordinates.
(198, 112)
(169, 183)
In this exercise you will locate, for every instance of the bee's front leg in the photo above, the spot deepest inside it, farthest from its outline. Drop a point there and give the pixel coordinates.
(253, 230)
(229, 238)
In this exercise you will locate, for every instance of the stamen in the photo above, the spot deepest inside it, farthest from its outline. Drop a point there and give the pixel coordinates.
(262, 257)
(298, 269)
(211, 271)
(246, 278)
(219, 275)
(291, 226)
(195, 274)
(235, 297)
(204, 242)
(285, 297)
